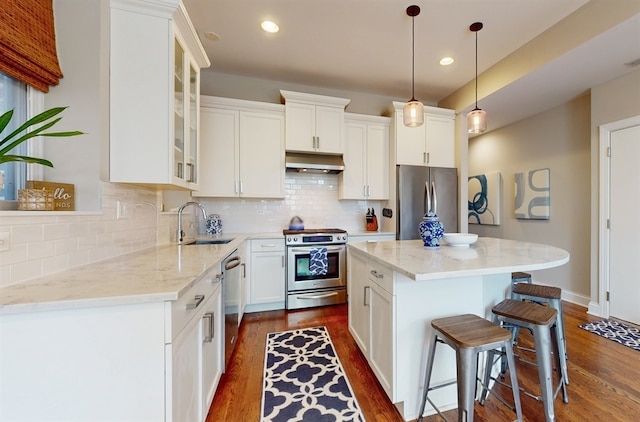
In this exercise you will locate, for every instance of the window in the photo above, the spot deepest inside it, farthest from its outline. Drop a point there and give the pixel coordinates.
(17, 96)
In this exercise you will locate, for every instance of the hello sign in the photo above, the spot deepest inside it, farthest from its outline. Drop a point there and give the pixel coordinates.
(63, 194)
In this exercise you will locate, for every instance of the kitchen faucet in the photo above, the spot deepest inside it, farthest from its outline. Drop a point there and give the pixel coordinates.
(182, 207)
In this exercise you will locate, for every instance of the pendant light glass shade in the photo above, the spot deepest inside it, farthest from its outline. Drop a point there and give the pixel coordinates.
(413, 113)
(477, 118)
(477, 121)
(413, 110)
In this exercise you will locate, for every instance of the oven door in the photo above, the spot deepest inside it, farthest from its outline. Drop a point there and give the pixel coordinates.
(299, 277)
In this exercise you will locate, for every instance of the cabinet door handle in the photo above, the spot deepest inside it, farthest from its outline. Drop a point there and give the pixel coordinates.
(376, 274)
(424, 157)
(318, 142)
(268, 245)
(368, 190)
(190, 172)
(366, 290)
(282, 261)
(244, 270)
(235, 187)
(428, 157)
(210, 318)
(197, 300)
(241, 187)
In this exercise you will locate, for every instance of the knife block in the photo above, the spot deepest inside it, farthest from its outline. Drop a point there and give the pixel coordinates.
(372, 223)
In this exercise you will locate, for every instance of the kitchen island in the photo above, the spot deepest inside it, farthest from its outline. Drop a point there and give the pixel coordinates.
(397, 287)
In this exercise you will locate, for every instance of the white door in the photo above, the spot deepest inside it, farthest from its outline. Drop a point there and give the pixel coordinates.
(624, 206)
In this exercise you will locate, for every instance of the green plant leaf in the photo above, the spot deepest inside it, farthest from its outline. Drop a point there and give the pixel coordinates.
(24, 159)
(14, 139)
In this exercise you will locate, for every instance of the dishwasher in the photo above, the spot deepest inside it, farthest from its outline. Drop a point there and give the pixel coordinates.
(231, 302)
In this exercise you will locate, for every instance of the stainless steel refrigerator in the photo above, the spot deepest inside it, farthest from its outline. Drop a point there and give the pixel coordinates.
(412, 182)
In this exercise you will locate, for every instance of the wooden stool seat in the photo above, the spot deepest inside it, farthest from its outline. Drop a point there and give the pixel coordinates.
(469, 335)
(470, 330)
(537, 290)
(520, 277)
(525, 311)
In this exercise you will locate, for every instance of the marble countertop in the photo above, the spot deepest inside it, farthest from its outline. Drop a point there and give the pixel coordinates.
(156, 274)
(486, 256)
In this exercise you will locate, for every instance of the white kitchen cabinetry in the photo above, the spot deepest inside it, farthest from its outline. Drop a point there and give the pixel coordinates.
(372, 308)
(242, 149)
(314, 123)
(366, 158)
(432, 144)
(135, 362)
(155, 58)
(267, 288)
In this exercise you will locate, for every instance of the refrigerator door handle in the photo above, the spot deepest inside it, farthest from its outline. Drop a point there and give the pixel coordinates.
(435, 198)
(427, 192)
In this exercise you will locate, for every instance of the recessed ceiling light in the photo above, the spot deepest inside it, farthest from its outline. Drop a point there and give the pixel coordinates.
(446, 61)
(212, 36)
(269, 26)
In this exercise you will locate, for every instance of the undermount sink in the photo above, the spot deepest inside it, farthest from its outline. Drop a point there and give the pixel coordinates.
(209, 242)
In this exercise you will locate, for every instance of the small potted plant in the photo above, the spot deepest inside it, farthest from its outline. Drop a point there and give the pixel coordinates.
(18, 136)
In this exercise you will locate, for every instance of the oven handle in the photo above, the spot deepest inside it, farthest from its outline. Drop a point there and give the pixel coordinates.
(307, 250)
(314, 296)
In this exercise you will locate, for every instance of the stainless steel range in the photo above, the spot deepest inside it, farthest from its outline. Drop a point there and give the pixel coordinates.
(316, 267)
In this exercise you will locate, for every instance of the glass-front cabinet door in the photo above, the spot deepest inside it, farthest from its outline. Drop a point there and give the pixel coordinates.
(192, 174)
(179, 108)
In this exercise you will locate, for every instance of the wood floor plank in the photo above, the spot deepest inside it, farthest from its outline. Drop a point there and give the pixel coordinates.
(604, 375)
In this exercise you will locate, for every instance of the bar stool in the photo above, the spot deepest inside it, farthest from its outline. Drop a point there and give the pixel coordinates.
(552, 296)
(520, 277)
(540, 320)
(468, 335)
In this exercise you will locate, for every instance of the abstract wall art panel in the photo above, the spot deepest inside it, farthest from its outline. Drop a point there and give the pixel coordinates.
(484, 198)
(532, 194)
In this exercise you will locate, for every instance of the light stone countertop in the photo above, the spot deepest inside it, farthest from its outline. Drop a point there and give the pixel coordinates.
(157, 274)
(486, 256)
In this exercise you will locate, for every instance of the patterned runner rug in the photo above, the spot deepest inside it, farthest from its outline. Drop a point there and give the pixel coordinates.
(304, 379)
(616, 331)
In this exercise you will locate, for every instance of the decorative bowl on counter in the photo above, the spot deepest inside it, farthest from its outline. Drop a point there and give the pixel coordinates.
(460, 239)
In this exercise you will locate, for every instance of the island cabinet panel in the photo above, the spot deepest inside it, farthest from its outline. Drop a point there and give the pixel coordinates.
(432, 144)
(372, 319)
(314, 123)
(242, 149)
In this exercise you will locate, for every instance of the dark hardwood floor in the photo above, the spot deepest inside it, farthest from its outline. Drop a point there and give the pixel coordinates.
(604, 376)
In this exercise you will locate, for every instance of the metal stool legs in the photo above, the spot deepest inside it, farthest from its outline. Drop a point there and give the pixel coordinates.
(467, 350)
(520, 293)
(542, 323)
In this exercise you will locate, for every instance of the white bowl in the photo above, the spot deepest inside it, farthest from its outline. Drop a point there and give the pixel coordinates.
(460, 239)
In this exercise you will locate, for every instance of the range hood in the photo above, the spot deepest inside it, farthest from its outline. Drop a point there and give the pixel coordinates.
(314, 163)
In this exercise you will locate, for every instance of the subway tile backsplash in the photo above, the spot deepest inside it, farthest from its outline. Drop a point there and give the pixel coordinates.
(42, 243)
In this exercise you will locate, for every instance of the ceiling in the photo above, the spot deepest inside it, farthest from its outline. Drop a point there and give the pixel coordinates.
(365, 46)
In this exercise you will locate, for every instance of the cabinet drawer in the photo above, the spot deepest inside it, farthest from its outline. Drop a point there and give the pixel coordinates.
(381, 275)
(267, 245)
(190, 303)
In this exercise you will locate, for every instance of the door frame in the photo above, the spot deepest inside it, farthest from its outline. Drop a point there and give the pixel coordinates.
(604, 178)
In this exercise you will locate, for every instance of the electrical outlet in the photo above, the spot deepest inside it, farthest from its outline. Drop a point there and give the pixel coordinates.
(122, 210)
(4, 241)
(260, 212)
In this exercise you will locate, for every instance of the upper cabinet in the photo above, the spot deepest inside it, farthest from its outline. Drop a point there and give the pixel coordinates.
(242, 149)
(314, 123)
(155, 60)
(366, 158)
(432, 144)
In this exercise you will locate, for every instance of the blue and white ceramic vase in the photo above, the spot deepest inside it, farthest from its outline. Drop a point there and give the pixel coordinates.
(431, 230)
(213, 225)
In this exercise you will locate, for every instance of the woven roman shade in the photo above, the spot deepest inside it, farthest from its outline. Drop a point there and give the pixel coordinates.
(28, 42)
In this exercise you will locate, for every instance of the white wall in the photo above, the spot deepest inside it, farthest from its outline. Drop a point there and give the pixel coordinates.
(611, 101)
(558, 139)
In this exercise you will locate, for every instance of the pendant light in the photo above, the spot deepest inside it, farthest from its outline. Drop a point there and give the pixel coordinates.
(413, 110)
(477, 118)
